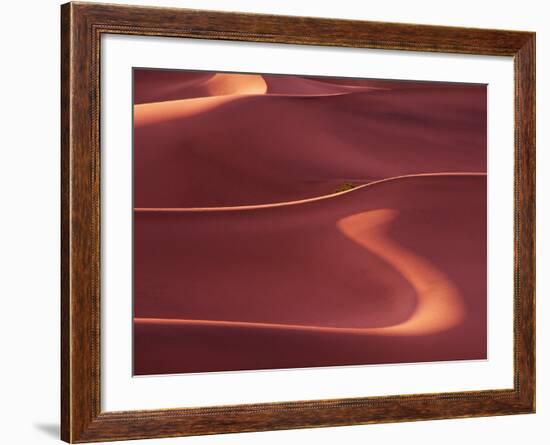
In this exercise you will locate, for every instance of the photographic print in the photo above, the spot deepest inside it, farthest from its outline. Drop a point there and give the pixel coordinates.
(289, 221)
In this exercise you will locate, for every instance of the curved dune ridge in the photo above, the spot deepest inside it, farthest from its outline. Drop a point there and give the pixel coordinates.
(439, 307)
(294, 221)
(439, 304)
(223, 88)
(410, 272)
(166, 85)
(250, 149)
(301, 201)
(159, 86)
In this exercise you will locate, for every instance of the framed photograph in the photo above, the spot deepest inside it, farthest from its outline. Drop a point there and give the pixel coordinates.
(276, 222)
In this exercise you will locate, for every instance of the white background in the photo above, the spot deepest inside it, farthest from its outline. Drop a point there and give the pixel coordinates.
(121, 392)
(29, 239)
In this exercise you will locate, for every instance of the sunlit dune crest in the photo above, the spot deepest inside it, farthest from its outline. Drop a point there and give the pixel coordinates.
(306, 200)
(169, 110)
(439, 306)
(225, 84)
(221, 89)
(244, 149)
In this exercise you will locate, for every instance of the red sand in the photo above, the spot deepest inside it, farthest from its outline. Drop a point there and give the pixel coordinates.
(215, 266)
(390, 272)
(259, 148)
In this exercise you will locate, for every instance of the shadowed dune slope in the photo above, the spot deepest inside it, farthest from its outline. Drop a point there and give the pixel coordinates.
(201, 302)
(256, 149)
(304, 86)
(165, 85)
(393, 85)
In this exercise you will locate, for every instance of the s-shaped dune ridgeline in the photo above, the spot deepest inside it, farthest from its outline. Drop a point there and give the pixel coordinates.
(286, 221)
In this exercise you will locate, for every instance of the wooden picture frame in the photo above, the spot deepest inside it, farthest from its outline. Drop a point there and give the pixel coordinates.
(82, 25)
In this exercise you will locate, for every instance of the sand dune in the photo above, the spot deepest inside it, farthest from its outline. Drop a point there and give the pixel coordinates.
(403, 256)
(168, 85)
(159, 86)
(225, 84)
(394, 85)
(246, 150)
(302, 86)
(300, 201)
(439, 306)
(292, 221)
(165, 85)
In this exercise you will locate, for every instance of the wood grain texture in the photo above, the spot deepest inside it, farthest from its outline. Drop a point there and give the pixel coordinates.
(81, 28)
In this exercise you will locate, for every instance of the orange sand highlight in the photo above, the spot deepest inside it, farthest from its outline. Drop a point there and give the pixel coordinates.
(439, 305)
(222, 84)
(220, 87)
(223, 88)
(406, 253)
